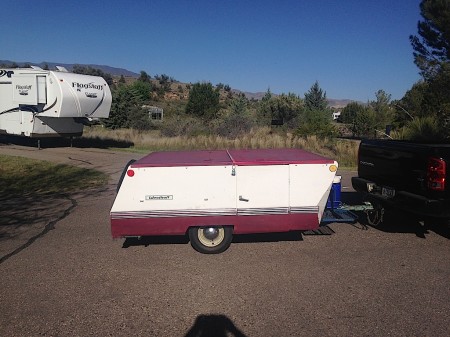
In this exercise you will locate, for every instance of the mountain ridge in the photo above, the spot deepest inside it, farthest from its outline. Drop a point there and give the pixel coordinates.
(69, 66)
(114, 71)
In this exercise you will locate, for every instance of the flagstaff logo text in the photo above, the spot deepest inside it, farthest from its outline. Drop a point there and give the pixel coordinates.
(91, 85)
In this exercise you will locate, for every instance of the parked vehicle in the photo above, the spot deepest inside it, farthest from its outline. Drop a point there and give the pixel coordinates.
(402, 175)
(211, 195)
(42, 103)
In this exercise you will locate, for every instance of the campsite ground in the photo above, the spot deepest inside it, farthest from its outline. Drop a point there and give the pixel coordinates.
(63, 275)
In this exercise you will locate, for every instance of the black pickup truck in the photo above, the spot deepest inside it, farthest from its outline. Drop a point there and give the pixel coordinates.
(407, 176)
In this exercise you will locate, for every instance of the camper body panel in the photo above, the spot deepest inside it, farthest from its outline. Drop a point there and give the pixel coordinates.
(214, 188)
(155, 226)
(42, 103)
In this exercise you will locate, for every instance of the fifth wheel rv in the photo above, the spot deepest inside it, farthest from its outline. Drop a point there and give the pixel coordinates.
(43, 103)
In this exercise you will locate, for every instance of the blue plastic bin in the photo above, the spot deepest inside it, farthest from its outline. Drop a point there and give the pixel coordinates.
(334, 199)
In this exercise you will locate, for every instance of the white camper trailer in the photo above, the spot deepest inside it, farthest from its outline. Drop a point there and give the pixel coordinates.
(214, 194)
(43, 103)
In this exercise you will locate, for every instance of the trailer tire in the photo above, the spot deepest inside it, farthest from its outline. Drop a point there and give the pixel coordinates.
(211, 239)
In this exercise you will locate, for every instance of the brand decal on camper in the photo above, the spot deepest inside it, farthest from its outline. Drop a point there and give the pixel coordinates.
(6, 73)
(91, 94)
(159, 197)
(91, 85)
(23, 89)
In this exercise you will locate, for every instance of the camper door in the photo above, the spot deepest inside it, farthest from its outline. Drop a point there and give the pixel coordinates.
(263, 190)
(29, 89)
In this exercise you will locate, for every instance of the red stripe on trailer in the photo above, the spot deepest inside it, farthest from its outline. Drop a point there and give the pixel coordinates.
(242, 224)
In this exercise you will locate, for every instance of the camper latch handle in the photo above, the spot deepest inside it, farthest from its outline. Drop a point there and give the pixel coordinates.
(242, 199)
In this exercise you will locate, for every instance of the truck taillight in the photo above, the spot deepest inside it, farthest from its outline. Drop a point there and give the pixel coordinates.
(436, 168)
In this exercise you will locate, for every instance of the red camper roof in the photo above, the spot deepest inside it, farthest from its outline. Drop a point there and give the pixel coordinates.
(276, 157)
(231, 157)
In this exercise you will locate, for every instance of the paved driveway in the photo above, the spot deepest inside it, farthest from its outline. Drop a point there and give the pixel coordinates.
(67, 277)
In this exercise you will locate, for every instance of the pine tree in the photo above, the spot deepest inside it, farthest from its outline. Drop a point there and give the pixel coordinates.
(203, 101)
(432, 48)
(315, 98)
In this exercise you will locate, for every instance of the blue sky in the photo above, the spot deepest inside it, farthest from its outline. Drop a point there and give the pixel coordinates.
(352, 48)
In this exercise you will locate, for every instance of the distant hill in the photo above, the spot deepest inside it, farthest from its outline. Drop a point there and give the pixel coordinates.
(338, 103)
(51, 65)
(335, 103)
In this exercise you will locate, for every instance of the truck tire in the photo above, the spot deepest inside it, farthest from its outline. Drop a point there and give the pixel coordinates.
(211, 239)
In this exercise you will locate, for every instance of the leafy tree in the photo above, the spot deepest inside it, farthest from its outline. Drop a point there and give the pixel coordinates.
(283, 108)
(239, 105)
(316, 122)
(365, 121)
(238, 121)
(432, 56)
(267, 96)
(164, 82)
(121, 103)
(423, 129)
(140, 91)
(137, 118)
(144, 77)
(317, 118)
(122, 79)
(411, 105)
(126, 107)
(315, 98)
(437, 97)
(384, 115)
(88, 70)
(432, 48)
(286, 107)
(349, 113)
(203, 101)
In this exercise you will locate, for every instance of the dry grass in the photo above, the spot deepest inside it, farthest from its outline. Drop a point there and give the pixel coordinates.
(344, 151)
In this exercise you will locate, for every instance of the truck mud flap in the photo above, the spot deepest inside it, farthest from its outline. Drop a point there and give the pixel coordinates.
(122, 176)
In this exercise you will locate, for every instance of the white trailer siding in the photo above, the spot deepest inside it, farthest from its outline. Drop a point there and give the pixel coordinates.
(38, 103)
(263, 189)
(166, 193)
(174, 191)
(305, 191)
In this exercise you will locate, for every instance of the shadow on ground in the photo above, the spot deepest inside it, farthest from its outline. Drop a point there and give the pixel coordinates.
(242, 238)
(26, 218)
(214, 325)
(79, 142)
(396, 221)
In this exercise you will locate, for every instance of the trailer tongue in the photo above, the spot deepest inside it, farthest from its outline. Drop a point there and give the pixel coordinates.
(213, 194)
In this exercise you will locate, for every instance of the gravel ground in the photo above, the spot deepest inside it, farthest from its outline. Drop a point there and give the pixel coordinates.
(61, 274)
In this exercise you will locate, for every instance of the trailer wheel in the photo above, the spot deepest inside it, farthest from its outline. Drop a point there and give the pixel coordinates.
(211, 239)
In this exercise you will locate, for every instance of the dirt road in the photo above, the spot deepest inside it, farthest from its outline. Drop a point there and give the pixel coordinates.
(74, 280)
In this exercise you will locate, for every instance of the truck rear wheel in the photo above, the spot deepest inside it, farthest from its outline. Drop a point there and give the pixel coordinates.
(211, 239)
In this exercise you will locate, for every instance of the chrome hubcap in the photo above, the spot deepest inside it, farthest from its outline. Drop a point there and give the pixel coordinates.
(211, 233)
(211, 236)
